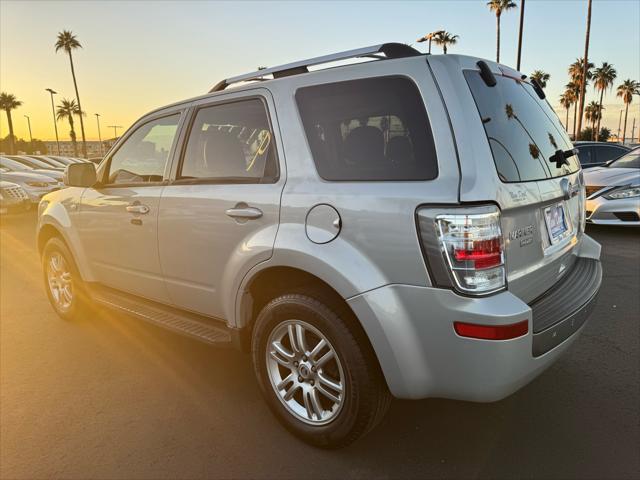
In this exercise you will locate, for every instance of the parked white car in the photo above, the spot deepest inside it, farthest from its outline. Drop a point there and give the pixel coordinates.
(13, 198)
(613, 191)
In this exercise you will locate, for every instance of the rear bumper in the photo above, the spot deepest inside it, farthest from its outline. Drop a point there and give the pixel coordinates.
(411, 330)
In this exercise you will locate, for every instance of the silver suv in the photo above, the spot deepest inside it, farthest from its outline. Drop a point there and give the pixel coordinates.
(410, 226)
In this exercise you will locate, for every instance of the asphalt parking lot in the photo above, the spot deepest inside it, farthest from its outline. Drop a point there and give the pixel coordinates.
(110, 397)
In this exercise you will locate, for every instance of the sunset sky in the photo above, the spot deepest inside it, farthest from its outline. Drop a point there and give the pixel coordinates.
(137, 56)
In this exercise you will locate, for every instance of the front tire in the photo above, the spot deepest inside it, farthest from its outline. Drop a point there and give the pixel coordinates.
(320, 382)
(62, 280)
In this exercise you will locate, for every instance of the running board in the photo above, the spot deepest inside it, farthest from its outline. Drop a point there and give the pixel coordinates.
(186, 323)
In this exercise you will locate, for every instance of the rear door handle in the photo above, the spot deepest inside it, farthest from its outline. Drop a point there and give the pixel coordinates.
(247, 213)
(137, 208)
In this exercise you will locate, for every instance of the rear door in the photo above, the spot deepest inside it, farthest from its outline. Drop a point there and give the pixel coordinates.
(525, 170)
(219, 215)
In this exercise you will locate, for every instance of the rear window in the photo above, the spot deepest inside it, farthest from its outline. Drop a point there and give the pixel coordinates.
(369, 129)
(606, 153)
(523, 131)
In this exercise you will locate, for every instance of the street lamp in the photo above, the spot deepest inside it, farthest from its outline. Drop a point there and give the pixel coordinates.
(429, 37)
(30, 136)
(115, 130)
(53, 110)
(99, 136)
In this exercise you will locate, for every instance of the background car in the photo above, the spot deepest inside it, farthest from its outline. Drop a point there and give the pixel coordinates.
(17, 164)
(596, 154)
(613, 192)
(13, 198)
(48, 160)
(64, 160)
(35, 184)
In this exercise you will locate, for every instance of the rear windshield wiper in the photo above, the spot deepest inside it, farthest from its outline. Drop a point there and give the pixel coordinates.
(560, 157)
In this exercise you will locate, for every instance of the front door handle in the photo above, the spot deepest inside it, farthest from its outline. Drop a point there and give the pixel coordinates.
(244, 212)
(137, 208)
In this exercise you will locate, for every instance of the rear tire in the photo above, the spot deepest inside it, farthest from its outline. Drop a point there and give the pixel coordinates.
(330, 396)
(62, 281)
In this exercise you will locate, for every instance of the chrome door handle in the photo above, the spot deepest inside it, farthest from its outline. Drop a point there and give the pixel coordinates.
(248, 213)
(141, 209)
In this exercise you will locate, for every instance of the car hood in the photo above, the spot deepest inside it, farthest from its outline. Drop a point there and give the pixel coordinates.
(606, 177)
(4, 184)
(24, 177)
(50, 173)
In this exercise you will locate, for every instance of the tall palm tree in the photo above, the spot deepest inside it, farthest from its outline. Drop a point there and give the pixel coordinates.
(66, 110)
(68, 42)
(603, 78)
(626, 91)
(566, 101)
(541, 77)
(585, 67)
(498, 7)
(445, 39)
(8, 102)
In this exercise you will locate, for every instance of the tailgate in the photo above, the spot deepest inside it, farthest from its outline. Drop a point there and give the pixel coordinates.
(512, 151)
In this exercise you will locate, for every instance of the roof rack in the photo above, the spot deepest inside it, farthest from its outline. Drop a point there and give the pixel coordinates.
(390, 50)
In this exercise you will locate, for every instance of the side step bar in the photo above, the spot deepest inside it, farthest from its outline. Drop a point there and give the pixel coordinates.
(189, 324)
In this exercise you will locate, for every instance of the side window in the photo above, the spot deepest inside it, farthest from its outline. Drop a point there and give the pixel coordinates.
(231, 143)
(584, 155)
(369, 129)
(143, 156)
(606, 153)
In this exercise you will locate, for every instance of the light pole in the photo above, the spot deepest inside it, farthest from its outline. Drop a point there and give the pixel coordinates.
(53, 111)
(30, 136)
(99, 136)
(619, 123)
(520, 35)
(115, 130)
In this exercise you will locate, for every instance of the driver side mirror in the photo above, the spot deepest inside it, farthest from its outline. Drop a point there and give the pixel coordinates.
(80, 175)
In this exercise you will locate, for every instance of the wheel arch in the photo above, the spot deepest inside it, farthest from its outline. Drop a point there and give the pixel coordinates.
(271, 282)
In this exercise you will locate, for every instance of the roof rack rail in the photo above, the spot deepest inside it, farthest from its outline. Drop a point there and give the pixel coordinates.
(390, 50)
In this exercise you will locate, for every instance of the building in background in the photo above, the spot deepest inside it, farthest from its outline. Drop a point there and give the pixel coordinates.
(93, 148)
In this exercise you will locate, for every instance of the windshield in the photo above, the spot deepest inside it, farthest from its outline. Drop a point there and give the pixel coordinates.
(523, 130)
(630, 160)
(13, 165)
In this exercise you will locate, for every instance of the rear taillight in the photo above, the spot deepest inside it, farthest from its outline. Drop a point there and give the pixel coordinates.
(464, 248)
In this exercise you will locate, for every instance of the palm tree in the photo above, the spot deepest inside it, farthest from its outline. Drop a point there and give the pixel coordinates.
(541, 77)
(499, 6)
(8, 102)
(603, 80)
(572, 91)
(576, 72)
(626, 91)
(67, 41)
(566, 101)
(66, 110)
(593, 113)
(444, 39)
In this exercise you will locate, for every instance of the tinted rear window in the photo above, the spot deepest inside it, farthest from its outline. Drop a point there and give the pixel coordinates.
(369, 129)
(522, 129)
(604, 153)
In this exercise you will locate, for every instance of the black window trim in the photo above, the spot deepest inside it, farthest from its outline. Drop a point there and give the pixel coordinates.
(134, 128)
(306, 139)
(216, 180)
